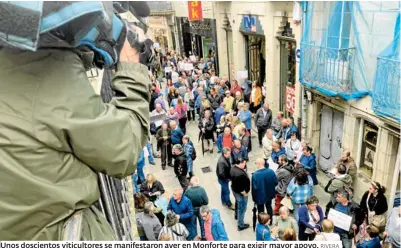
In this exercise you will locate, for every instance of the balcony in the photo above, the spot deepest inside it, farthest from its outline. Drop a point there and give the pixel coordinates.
(328, 70)
(386, 88)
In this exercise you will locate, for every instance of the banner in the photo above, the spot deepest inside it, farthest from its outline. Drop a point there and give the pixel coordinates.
(290, 99)
(195, 11)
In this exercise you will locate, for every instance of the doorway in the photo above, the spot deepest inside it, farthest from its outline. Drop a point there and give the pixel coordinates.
(287, 70)
(255, 61)
(331, 132)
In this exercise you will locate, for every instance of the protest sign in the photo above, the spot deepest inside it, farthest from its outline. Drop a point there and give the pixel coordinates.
(272, 165)
(339, 219)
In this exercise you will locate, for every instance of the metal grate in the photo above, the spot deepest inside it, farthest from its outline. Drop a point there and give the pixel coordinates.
(206, 169)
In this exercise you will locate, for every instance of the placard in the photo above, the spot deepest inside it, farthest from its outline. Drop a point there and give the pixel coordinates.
(241, 75)
(339, 219)
(272, 165)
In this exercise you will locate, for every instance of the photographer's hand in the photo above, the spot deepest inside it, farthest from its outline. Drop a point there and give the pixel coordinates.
(129, 54)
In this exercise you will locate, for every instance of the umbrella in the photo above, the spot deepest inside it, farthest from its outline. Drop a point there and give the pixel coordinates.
(201, 137)
(254, 210)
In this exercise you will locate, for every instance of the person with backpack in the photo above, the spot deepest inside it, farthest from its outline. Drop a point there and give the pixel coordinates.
(190, 154)
(340, 180)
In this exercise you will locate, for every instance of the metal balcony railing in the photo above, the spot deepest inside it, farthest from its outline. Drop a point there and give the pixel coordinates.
(327, 69)
(386, 88)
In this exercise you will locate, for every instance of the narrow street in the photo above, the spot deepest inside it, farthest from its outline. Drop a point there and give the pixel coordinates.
(208, 180)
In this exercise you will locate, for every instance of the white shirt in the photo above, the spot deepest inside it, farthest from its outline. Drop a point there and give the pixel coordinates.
(323, 236)
(253, 95)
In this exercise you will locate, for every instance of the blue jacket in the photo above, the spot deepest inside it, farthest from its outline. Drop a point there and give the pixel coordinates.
(218, 230)
(189, 149)
(176, 136)
(290, 130)
(246, 118)
(309, 163)
(198, 102)
(218, 114)
(264, 182)
(303, 222)
(177, 85)
(373, 243)
(243, 153)
(219, 142)
(275, 154)
(263, 233)
(183, 209)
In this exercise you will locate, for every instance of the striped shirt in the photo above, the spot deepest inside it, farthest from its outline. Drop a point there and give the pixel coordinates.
(178, 232)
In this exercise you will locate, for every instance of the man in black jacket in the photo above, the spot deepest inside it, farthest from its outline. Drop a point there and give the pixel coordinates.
(263, 121)
(214, 99)
(240, 185)
(180, 166)
(223, 176)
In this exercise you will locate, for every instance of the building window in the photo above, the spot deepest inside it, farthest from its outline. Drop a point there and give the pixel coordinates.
(369, 141)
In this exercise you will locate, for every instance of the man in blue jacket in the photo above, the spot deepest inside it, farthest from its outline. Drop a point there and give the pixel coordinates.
(264, 182)
(214, 226)
(176, 133)
(219, 113)
(239, 152)
(291, 128)
(189, 150)
(246, 117)
(182, 207)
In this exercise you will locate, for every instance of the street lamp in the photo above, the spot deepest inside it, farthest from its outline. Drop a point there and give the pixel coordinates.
(227, 27)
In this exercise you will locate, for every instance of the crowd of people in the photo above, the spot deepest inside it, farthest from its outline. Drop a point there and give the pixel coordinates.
(282, 187)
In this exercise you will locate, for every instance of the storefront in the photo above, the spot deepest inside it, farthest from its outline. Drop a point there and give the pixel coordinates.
(255, 48)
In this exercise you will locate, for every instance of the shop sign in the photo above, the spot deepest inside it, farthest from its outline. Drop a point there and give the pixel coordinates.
(204, 26)
(251, 25)
(290, 99)
(195, 10)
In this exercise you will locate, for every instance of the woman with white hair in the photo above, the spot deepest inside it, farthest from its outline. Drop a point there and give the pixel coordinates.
(285, 221)
(148, 224)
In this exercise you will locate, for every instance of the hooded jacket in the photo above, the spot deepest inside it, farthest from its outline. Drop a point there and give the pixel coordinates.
(218, 231)
(56, 134)
(337, 183)
(284, 176)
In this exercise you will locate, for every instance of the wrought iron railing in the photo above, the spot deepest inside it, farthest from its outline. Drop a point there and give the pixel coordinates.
(327, 68)
(386, 88)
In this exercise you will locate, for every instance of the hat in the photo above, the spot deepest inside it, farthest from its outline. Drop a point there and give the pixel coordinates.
(227, 92)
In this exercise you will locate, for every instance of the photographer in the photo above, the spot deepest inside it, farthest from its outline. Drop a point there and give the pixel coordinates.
(57, 134)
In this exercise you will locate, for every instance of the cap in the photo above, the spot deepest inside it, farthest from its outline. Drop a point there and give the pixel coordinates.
(227, 92)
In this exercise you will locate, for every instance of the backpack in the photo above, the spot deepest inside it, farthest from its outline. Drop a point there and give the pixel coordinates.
(193, 156)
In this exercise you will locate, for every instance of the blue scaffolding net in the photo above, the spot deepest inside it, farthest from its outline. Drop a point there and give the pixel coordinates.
(351, 49)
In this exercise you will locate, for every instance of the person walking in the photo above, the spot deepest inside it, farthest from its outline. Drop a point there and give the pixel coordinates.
(263, 121)
(310, 219)
(180, 166)
(198, 197)
(213, 225)
(183, 209)
(263, 184)
(163, 137)
(190, 154)
(223, 177)
(284, 175)
(240, 186)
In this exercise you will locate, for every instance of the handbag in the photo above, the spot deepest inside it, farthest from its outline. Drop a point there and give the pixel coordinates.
(378, 221)
(286, 201)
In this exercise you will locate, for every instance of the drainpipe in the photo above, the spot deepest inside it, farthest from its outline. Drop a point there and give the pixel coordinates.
(303, 92)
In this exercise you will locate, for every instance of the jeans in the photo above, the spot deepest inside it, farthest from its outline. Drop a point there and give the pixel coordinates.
(225, 192)
(268, 205)
(346, 239)
(242, 202)
(277, 204)
(188, 223)
(197, 218)
(150, 150)
(139, 169)
(296, 208)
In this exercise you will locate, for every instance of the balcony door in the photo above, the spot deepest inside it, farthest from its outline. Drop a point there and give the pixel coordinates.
(331, 133)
